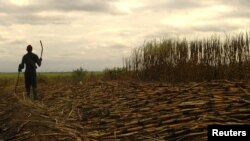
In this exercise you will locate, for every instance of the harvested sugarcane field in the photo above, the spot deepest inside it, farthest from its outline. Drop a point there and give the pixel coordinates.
(124, 70)
(124, 110)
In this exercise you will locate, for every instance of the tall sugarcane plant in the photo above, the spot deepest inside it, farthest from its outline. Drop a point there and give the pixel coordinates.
(178, 60)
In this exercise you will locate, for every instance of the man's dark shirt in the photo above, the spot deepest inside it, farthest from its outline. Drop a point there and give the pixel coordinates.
(30, 60)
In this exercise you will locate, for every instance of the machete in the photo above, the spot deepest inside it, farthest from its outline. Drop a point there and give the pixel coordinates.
(42, 49)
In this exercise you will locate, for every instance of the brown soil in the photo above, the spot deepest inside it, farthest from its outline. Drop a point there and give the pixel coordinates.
(122, 110)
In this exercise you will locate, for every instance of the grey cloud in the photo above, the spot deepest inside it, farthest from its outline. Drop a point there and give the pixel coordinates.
(29, 14)
(222, 27)
(33, 19)
(117, 46)
(166, 31)
(62, 5)
(181, 4)
(80, 5)
(243, 13)
(173, 5)
(235, 3)
(186, 5)
(169, 31)
(240, 8)
(36, 19)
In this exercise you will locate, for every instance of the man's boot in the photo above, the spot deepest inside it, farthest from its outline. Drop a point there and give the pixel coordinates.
(28, 92)
(34, 94)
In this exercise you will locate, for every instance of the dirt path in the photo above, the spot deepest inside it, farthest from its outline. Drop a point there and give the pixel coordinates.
(123, 110)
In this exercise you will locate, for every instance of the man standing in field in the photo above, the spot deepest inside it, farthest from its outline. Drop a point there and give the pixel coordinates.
(30, 60)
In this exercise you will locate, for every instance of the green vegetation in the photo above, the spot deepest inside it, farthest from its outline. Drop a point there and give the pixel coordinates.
(79, 74)
(55, 74)
(46, 77)
(47, 74)
(8, 75)
(115, 73)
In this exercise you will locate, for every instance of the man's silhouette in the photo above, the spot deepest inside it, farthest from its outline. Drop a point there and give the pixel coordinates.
(30, 60)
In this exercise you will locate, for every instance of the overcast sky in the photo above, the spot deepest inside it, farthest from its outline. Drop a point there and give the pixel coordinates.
(96, 34)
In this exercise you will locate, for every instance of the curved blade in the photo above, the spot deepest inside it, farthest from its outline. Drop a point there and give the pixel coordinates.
(42, 49)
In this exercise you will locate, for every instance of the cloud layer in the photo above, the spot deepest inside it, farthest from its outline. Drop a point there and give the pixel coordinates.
(96, 34)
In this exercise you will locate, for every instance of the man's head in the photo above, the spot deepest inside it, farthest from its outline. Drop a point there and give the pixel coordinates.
(29, 48)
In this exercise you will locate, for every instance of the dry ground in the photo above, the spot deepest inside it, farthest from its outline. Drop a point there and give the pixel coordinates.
(122, 110)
